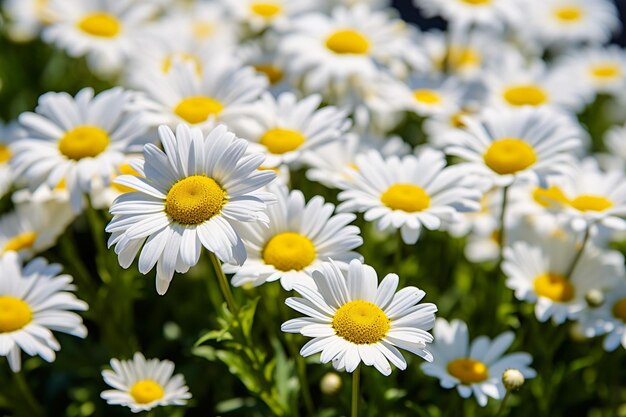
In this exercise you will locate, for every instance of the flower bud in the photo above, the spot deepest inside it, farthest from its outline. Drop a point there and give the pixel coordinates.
(330, 383)
(594, 298)
(512, 379)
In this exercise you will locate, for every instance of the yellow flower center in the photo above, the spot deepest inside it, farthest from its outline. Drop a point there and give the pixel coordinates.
(427, 96)
(5, 154)
(361, 322)
(619, 309)
(456, 120)
(184, 57)
(194, 200)
(289, 251)
(547, 197)
(273, 73)
(83, 142)
(556, 287)
(605, 71)
(146, 391)
(509, 155)
(477, 2)
(202, 30)
(279, 141)
(20, 242)
(125, 169)
(14, 314)
(266, 10)
(407, 197)
(100, 24)
(468, 371)
(525, 95)
(198, 109)
(569, 14)
(460, 57)
(587, 202)
(348, 41)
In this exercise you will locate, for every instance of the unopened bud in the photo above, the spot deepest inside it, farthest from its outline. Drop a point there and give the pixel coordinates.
(594, 298)
(330, 383)
(512, 379)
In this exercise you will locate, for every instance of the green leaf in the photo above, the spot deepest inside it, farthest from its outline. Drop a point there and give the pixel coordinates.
(246, 315)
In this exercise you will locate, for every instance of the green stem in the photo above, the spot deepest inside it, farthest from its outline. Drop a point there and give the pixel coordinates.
(224, 285)
(501, 235)
(355, 391)
(29, 399)
(503, 403)
(579, 253)
(96, 226)
(398, 255)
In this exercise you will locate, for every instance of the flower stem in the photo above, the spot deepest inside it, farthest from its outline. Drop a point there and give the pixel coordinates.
(501, 235)
(579, 253)
(503, 404)
(29, 399)
(224, 285)
(355, 391)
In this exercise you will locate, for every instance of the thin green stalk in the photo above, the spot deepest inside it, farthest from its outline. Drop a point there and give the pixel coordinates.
(355, 391)
(579, 253)
(398, 255)
(503, 404)
(502, 234)
(30, 401)
(96, 226)
(224, 285)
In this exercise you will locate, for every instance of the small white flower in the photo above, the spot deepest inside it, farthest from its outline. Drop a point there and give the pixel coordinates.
(474, 367)
(408, 193)
(192, 195)
(142, 384)
(608, 319)
(300, 237)
(353, 319)
(462, 14)
(34, 301)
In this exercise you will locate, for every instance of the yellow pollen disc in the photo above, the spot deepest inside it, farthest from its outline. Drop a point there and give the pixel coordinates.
(273, 73)
(556, 287)
(125, 169)
(100, 24)
(509, 155)
(569, 14)
(194, 200)
(5, 154)
(184, 57)
(427, 96)
(606, 71)
(20, 242)
(146, 391)
(587, 202)
(468, 371)
(407, 197)
(361, 322)
(548, 197)
(279, 141)
(266, 10)
(14, 314)
(202, 30)
(456, 119)
(463, 57)
(289, 251)
(495, 236)
(525, 95)
(348, 41)
(477, 2)
(198, 109)
(83, 142)
(619, 309)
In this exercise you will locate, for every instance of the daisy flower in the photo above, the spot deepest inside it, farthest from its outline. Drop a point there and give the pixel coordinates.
(608, 319)
(102, 195)
(549, 273)
(300, 237)
(8, 134)
(261, 54)
(563, 22)
(524, 144)
(142, 384)
(261, 14)
(26, 18)
(462, 14)
(353, 319)
(34, 301)
(615, 141)
(34, 227)
(218, 95)
(192, 195)
(408, 193)
(474, 367)
(75, 139)
(285, 127)
(351, 42)
(601, 70)
(432, 97)
(102, 30)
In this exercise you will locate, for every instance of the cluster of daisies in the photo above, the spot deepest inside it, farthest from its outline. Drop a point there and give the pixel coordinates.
(217, 108)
